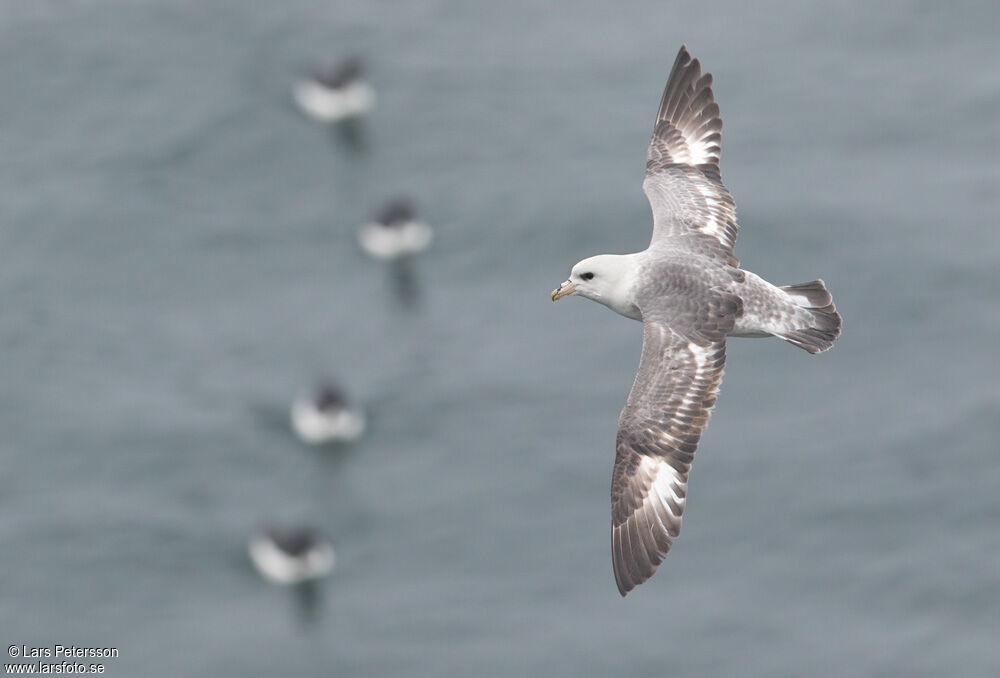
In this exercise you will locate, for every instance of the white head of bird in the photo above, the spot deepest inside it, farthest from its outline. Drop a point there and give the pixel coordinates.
(608, 279)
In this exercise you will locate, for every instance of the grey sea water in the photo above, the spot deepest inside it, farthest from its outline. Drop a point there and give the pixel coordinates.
(177, 261)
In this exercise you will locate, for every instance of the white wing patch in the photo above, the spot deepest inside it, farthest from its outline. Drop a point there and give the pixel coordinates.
(666, 492)
(718, 210)
(700, 148)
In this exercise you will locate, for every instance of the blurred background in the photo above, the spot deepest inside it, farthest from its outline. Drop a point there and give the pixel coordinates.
(178, 260)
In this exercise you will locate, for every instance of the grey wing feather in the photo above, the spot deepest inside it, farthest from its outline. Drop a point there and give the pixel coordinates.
(683, 184)
(668, 408)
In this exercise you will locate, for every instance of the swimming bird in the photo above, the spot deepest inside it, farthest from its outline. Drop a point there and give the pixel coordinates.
(395, 232)
(336, 95)
(290, 555)
(689, 292)
(326, 416)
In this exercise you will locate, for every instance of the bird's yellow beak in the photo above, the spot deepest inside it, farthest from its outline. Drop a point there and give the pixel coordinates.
(565, 289)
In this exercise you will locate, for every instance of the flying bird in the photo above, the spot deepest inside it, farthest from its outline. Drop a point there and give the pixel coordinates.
(290, 555)
(326, 416)
(689, 292)
(335, 95)
(395, 232)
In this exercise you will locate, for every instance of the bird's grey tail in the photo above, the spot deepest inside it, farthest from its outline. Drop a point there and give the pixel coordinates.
(824, 327)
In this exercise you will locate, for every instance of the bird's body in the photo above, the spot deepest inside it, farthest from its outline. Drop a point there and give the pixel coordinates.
(690, 294)
(656, 274)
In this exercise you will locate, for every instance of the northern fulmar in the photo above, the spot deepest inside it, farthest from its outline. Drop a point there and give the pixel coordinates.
(689, 292)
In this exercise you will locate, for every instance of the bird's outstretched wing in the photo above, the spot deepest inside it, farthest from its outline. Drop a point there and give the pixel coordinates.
(683, 183)
(667, 410)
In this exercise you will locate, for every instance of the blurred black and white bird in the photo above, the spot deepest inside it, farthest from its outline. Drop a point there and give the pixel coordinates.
(290, 555)
(335, 95)
(326, 416)
(395, 232)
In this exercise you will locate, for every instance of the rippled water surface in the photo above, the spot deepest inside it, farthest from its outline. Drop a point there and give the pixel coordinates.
(177, 261)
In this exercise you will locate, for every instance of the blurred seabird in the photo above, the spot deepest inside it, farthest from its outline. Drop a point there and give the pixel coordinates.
(395, 232)
(335, 95)
(326, 416)
(290, 555)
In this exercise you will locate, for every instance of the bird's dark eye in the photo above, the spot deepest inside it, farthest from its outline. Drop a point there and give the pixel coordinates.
(587, 276)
